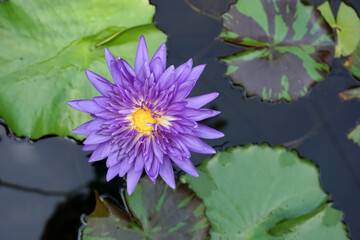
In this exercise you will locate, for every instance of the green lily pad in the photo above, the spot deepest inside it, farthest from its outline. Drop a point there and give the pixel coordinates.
(45, 46)
(258, 192)
(347, 26)
(355, 135)
(290, 47)
(157, 212)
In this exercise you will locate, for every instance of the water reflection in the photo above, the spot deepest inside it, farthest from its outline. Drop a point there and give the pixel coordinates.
(37, 177)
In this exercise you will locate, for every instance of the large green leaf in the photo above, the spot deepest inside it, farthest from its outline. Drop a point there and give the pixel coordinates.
(347, 26)
(258, 192)
(158, 212)
(355, 134)
(45, 46)
(291, 47)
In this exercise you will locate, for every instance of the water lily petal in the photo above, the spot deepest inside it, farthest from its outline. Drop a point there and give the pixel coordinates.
(132, 178)
(142, 55)
(199, 101)
(167, 172)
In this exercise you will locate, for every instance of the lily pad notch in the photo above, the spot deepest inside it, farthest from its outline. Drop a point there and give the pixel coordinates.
(258, 192)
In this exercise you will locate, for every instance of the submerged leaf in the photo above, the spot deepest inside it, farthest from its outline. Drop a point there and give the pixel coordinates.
(353, 63)
(351, 93)
(258, 192)
(347, 26)
(158, 212)
(291, 47)
(45, 47)
(355, 134)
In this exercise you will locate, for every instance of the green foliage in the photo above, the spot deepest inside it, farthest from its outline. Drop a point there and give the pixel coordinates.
(290, 47)
(346, 25)
(45, 47)
(157, 212)
(258, 192)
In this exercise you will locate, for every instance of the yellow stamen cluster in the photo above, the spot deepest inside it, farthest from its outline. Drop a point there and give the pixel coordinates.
(142, 117)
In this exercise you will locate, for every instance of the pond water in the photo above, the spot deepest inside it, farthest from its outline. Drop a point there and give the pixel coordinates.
(46, 185)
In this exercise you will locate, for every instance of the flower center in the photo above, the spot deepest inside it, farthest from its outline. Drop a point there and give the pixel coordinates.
(143, 120)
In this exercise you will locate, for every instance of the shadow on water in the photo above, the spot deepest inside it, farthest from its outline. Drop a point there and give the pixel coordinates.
(46, 185)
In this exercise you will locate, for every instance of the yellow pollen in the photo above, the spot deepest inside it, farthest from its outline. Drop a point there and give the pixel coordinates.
(141, 119)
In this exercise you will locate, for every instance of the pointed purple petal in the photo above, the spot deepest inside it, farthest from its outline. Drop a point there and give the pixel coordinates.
(186, 165)
(101, 152)
(156, 68)
(199, 101)
(184, 90)
(203, 131)
(95, 124)
(132, 179)
(161, 54)
(144, 72)
(127, 68)
(148, 161)
(154, 169)
(195, 144)
(102, 101)
(82, 129)
(196, 72)
(152, 179)
(183, 71)
(109, 58)
(124, 167)
(139, 163)
(167, 78)
(115, 73)
(112, 159)
(107, 115)
(158, 153)
(101, 84)
(142, 55)
(95, 138)
(113, 171)
(199, 114)
(167, 172)
(89, 147)
(86, 105)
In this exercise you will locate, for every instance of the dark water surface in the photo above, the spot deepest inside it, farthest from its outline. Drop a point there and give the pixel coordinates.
(46, 185)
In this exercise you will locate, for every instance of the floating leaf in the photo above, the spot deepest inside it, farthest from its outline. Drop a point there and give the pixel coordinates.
(45, 47)
(351, 93)
(158, 212)
(353, 63)
(258, 192)
(347, 26)
(355, 134)
(291, 47)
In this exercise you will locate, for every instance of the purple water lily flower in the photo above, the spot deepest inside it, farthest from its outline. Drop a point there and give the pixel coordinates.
(144, 120)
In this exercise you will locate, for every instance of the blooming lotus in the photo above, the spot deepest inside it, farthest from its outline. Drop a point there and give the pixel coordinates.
(144, 119)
